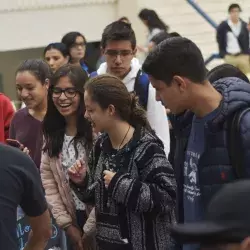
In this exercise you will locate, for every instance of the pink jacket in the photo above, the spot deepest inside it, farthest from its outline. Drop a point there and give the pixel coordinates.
(57, 190)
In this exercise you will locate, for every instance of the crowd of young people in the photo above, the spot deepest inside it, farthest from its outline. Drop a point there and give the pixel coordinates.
(113, 177)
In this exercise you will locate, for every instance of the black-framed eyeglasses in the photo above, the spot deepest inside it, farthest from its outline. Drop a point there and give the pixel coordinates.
(115, 53)
(68, 92)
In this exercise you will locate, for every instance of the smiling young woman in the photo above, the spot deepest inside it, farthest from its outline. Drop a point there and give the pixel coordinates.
(67, 139)
(32, 83)
(129, 177)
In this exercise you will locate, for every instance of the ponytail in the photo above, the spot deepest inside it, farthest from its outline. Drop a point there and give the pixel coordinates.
(138, 114)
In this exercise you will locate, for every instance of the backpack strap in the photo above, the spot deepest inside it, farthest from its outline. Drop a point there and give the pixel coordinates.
(141, 88)
(235, 148)
(93, 74)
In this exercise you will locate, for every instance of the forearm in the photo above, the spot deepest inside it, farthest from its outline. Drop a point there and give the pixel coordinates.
(143, 197)
(36, 242)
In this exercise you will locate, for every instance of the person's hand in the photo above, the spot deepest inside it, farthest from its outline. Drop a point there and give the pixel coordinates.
(108, 176)
(75, 236)
(77, 172)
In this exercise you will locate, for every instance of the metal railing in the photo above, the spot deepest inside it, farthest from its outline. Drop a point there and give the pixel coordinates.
(210, 21)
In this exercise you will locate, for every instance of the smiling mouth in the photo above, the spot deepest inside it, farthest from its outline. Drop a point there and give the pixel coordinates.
(64, 105)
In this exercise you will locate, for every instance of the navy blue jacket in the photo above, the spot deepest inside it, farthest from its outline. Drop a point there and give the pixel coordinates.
(214, 165)
(243, 38)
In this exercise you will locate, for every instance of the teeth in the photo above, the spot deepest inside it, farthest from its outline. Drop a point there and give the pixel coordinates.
(64, 105)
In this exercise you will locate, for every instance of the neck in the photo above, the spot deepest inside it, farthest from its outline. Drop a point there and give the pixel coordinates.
(75, 62)
(71, 128)
(206, 99)
(39, 111)
(120, 134)
(120, 77)
(235, 21)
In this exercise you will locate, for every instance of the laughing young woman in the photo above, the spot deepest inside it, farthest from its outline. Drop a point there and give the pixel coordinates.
(130, 177)
(68, 138)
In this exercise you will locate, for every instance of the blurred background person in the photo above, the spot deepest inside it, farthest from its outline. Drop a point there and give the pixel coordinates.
(233, 40)
(56, 55)
(76, 45)
(154, 25)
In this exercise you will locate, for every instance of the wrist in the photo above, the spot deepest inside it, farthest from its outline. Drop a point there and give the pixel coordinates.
(67, 227)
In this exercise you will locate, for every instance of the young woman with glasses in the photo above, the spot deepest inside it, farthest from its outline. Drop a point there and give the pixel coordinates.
(76, 45)
(67, 139)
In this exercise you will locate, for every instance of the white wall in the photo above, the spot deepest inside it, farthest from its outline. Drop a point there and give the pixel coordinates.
(22, 29)
(9, 62)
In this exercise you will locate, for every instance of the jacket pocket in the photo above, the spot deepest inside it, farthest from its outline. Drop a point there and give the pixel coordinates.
(108, 233)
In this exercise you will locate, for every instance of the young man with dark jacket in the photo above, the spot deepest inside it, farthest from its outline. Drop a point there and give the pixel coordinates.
(201, 113)
(233, 40)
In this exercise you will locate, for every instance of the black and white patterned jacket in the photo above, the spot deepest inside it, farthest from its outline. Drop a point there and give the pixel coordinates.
(137, 209)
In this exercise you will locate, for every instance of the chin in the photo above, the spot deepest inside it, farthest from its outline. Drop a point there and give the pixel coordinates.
(66, 114)
(96, 130)
(30, 105)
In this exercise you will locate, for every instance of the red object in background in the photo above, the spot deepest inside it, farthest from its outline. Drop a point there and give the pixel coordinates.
(6, 113)
(223, 176)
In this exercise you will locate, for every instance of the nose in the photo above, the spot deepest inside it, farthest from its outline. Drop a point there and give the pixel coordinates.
(157, 97)
(51, 62)
(118, 59)
(63, 97)
(24, 93)
(86, 115)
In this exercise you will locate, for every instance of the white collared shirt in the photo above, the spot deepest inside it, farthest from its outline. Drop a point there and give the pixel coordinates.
(233, 46)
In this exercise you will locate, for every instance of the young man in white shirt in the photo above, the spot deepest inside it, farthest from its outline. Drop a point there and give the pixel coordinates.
(233, 40)
(119, 48)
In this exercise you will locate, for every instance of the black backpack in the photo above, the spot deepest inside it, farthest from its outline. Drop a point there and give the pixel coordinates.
(234, 143)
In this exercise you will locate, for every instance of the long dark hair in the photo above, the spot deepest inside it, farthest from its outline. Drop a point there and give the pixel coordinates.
(70, 38)
(106, 90)
(152, 19)
(54, 124)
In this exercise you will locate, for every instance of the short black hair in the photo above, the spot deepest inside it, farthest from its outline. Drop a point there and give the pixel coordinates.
(58, 46)
(174, 34)
(234, 6)
(176, 56)
(124, 19)
(118, 31)
(158, 38)
(226, 70)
